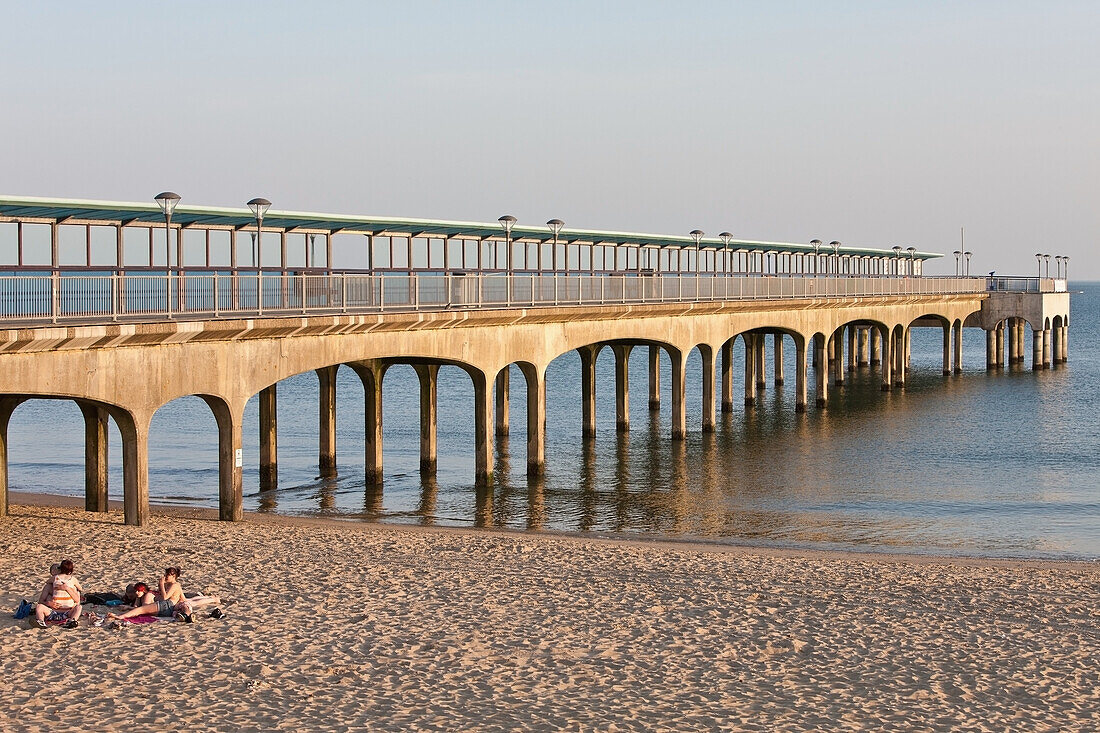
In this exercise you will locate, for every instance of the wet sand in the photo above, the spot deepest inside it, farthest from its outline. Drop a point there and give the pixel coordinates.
(337, 625)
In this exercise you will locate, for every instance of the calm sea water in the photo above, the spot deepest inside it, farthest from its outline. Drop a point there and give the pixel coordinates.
(1002, 464)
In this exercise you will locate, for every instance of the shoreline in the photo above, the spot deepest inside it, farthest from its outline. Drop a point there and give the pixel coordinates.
(31, 499)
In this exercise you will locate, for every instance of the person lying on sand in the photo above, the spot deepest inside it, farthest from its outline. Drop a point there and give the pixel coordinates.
(169, 601)
(60, 598)
(134, 595)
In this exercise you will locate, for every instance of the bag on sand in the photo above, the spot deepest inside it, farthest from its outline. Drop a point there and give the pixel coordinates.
(24, 609)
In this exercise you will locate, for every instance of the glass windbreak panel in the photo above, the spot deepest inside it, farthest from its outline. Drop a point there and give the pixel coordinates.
(9, 243)
(586, 258)
(400, 252)
(453, 250)
(438, 250)
(135, 246)
(632, 258)
(72, 241)
(246, 248)
(295, 250)
(219, 247)
(272, 252)
(488, 254)
(103, 245)
(194, 248)
(469, 254)
(380, 248)
(349, 251)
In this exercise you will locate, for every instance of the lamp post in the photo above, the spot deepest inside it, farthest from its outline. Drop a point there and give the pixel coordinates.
(726, 237)
(967, 254)
(816, 244)
(555, 226)
(167, 201)
(697, 235)
(1046, 260)
(507, 221)
(897, 259)
(1065, 267)
(259, 207)
(1039, 260)
(836, 256)
(912, 260)
(957, 253)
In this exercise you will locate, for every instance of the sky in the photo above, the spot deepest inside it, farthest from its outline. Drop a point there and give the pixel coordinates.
(876, 123)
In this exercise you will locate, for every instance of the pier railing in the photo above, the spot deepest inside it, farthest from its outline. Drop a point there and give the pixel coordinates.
(70, 297)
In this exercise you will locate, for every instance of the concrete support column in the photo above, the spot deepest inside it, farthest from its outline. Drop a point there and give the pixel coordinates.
(269, 439)
(990, 349)
(95, 457)
(655, 378)
(1013, 339)
(887, 359)
(1022, 325)
(799, 375)
(483, 434)
(821, 371)
(230, 460)
(428, 375)
(947, 349)
(853, 355)
(500, 394)
(999, 346)
(371, 373)
(1065, 344)
(326, 431)
(958, 347)
(777, 349)
(1046, 348)
(908, 338)
(679, 414)
(727, 376)
(622, 386)
(1036, 349)
(588, 389)
(536, 419)
(7, 406)
(135, 465)
(876, 346)
(1056, 345)
(750, 368)
(707, 355)
(864, 347)
(758, 350)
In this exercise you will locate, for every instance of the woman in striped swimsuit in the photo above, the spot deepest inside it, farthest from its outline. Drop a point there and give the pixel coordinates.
(64, 597)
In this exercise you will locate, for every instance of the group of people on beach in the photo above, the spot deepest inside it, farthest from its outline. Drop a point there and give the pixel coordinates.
(62, 599)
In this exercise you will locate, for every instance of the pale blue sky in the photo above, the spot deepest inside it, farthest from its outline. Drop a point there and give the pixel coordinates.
(875, 123)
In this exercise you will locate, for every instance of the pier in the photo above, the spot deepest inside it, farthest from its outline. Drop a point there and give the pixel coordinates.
(124, 307)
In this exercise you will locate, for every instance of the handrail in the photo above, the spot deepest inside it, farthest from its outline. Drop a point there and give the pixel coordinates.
(129, 297)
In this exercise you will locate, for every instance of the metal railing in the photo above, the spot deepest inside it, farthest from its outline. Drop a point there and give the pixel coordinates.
(114, 297)
(1026, 284)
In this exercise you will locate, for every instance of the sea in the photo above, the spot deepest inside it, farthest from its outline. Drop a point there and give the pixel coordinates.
(985, 464)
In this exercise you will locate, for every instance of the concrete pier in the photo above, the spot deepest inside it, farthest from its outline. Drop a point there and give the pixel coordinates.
(864, 346)
(821, 376)
(500, 402)
(876, 346)
(761, 365)
(95, 456)
(622, 386)
(777, 353)
(707, 356)
(326, 430)
(588, 356)
(654, 378)
(269, 438)
(428, 376)
(750, 369)
(727, 376)
(853, 352)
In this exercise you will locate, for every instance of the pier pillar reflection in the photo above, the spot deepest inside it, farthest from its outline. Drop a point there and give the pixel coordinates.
(655, 378)
(777, 353)
(622, 386)
(428, 376)
(727, 376)
(95, 456)
(269, 440)
(326, 430)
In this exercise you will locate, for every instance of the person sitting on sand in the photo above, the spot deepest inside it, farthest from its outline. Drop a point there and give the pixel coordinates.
(62, 599)
(169, 601)
(134, 595)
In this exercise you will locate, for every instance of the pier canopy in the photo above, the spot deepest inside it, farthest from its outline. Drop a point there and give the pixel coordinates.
(75, 211)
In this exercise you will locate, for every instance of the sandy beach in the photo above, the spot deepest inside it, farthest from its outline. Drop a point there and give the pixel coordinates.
(336, 626)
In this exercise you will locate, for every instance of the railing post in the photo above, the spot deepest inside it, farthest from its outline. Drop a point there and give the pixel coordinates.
(55, 295)
(215, 293)
(259, 292)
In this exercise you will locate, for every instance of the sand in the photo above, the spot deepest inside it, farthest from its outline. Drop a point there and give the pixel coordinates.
(334, 626)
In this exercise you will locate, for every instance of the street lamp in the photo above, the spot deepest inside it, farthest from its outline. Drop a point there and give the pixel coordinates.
(726, 237)
(912, 259)
(1046, 259)
(1065, 268)
(957, 254)
(897, 259)
(1039, 259)
(555, 226)
(967, 255)
(697, 234)
(167, 201)
(836, 256)
(816, 243)
(259, 208)
(507, 221)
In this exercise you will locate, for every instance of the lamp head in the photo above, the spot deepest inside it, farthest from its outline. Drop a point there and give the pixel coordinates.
(259, 207)
(555, 225)
(725, 237)
(507, 221)
(696, 234)
(897, 250)
(816, 243)
(167, 201)
(835, 245)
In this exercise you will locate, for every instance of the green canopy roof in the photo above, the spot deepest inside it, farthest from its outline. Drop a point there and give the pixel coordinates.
(114, 212)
